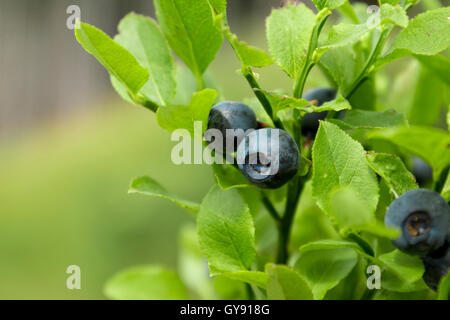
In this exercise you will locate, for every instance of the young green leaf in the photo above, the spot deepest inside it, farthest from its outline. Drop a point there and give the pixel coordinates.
(142, 37)
(226, 231)
(189, 27)
(426, 34)
(249, 56)
(146, 283)
(438, 64)
(345, 34)
(228, 177)
(407, 267)
(284, 283)
(393, 15)
(430, 144)
(323, 267)
(288, 33)
(355, 119)
(428, 98)
(339, 161)
(330, 4)
(116, 59)
(148, 186)
(191, 264)
(281, 102)
(444, 288)
(182, 117)
(349, 210)
(255, 278)
(219, 5)
(446, 189)
(391, 168)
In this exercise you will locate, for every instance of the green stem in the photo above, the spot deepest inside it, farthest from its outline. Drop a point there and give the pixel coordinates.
(363, 75)
(321, 18)
(200, 81)
(270, 208)
(284, 231)
(250, 76)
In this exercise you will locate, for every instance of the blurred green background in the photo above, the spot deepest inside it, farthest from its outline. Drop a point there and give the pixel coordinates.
(69, 147)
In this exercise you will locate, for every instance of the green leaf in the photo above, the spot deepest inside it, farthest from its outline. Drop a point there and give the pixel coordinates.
(438, 64)
(393, 14)
(355, 119)
(430, 144)
(330, 4)
(425, 34)
(226, 231)
(172, 118)
(344, 34)
(191, 264)
(428, 99)
(446, 189)
(281, 102)
(149, 187)
(219, 5)
(339, 162)
(288, 33)
(407, 267)
(285, 283)
(142, 37)
(255, 278)
(189, 27)
(146, 283)
(117, 60)
(393, 171)
(348, 209)
(249, 56)
(228, 177)
(324, 266)
(444, 288)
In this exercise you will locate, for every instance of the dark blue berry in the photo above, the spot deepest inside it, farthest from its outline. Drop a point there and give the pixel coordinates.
(422, 216)
(422, 171)
(310, 121)
(266, 161)
(437, 265)
(232, 115)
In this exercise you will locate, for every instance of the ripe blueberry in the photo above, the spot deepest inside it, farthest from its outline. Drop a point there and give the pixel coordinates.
(437, 265)
(231, 115)
(268, 157)
(422, 171)
(310, 121)
(423, 217)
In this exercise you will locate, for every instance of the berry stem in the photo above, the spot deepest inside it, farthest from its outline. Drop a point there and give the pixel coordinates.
(321, 18)
(270, 208)
(295, 188)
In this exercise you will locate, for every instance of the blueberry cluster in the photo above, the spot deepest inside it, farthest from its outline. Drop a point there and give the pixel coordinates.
(261, 163)
(423, 217)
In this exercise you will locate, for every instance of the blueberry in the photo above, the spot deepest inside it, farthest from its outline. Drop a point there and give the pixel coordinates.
(310, 121)
(232, 115)
(268, 157)
(423, 217)
(422, 171)
(437, 265)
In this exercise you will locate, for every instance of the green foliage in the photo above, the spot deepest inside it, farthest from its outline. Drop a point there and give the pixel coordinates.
(189, 27)
(120, 63)
(285, 283)
(226, 231)
(393, 171)
(339, 161)
(288, 33)
(142, 37)
(149, 187)
(146, 283)
(334, 206)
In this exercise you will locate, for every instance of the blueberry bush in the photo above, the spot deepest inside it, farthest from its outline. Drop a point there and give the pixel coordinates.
(345, 218)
